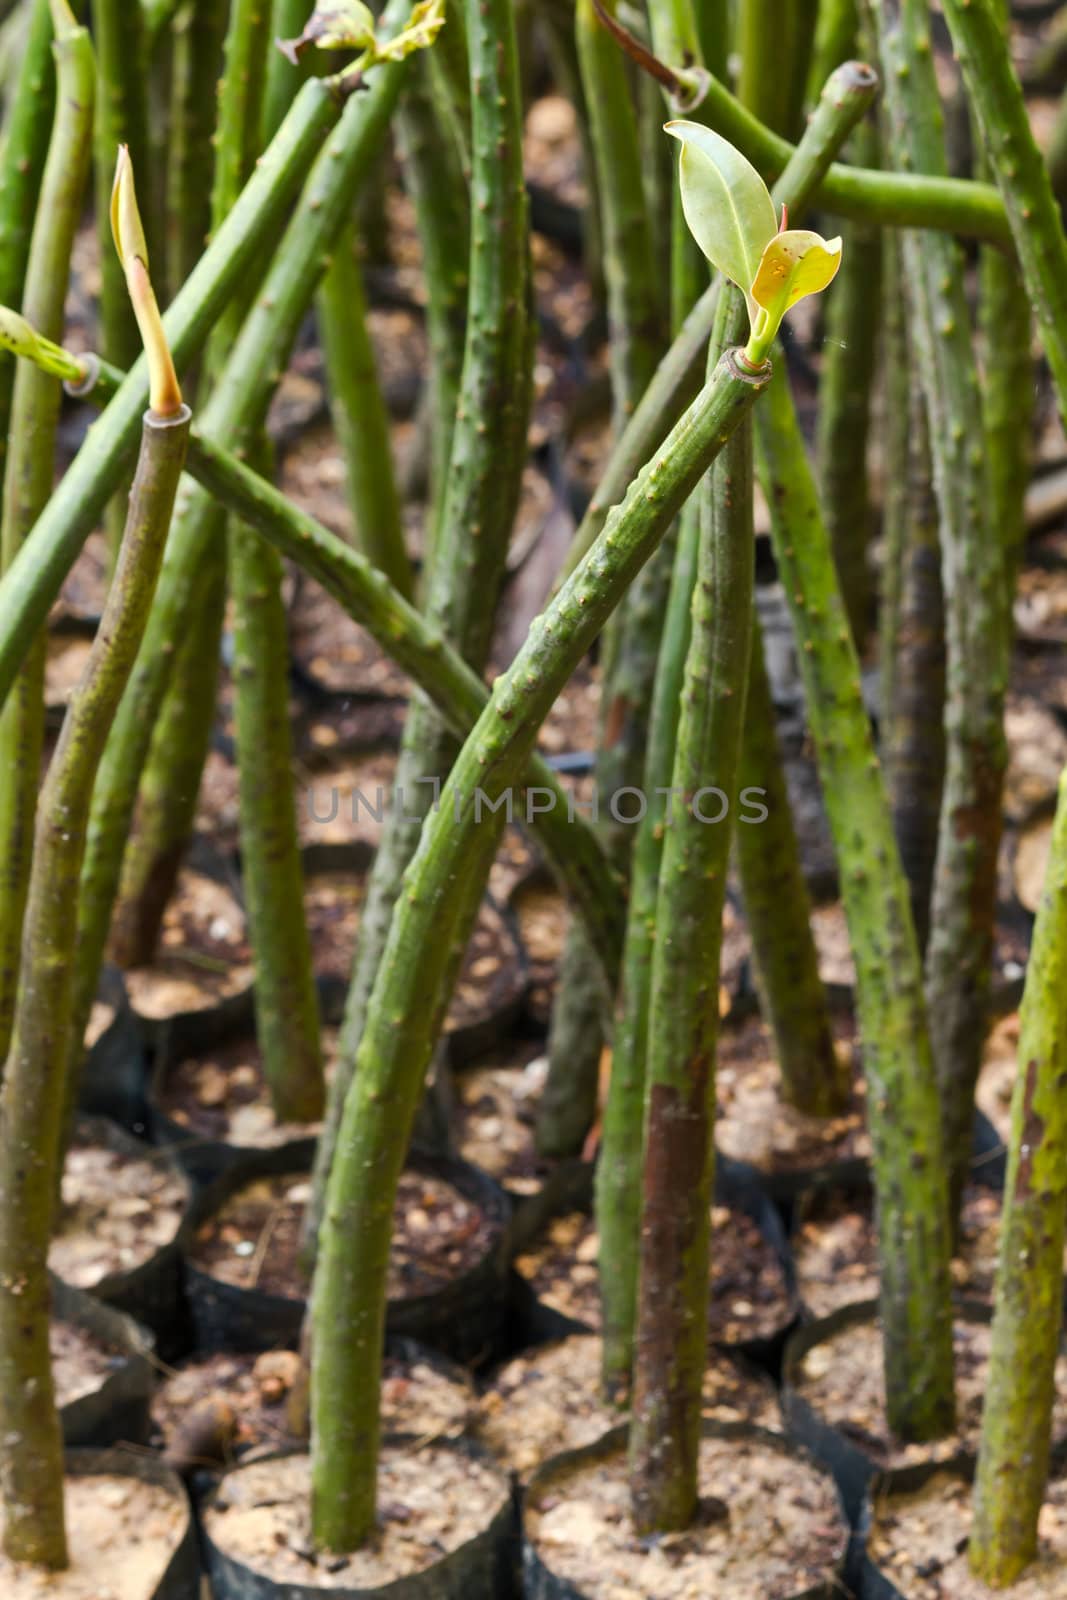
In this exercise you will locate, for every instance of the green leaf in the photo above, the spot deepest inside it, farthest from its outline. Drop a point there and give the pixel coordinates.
(423, 26)
(334, 25)
(17, 336)
(794, 264)
(726, 203)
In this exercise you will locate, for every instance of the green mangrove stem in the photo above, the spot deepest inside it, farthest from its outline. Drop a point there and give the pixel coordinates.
(360, 417)
(32, 1098)
(22, 156)
(977, 612)
(1013, 1460)
(679, 1154)
(29, 476)
(1021, 174)
(902, 1098)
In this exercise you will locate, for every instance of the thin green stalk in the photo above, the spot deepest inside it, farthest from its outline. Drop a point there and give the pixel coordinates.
(287, 19)
(912, 615)
(683, 1024)
(778, 912)
(121, 119)
(235, 415)
(636, 341)
(713, 27)
(902, 1098)
(775, 40)
(437, 173)
(287, 1013)
(914, 733)
(776, 901)
(31, 1102)
(158, 15)
(1021, 175)
(449, 68)
(348, 1297)
(618, 1173)
(360, 418)
(835, 41)
(30, 470)
(1008, 387)
(170, 784)
(199, 31)
(488, 456)
(170, 781)
(849, 363)
(22, 157)
(959, 954)
(30, 586)
(636, 334)
(845, 98)
(1013, 1460)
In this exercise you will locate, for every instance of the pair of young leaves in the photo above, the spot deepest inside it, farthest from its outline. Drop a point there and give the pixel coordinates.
(732, 217)
(349, 25)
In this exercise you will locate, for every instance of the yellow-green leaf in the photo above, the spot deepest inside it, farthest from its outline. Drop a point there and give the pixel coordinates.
(423, 26)
(726, 203)
(126, 226)
(17, 336)
(794, 264)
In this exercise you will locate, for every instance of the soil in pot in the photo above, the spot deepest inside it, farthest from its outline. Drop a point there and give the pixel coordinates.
(254, 1240)
(771, 1526)
(118, 1210)
(431, 1500)
(543, 918)
(835, 1245)
(81, 1362)
(226, 1407)
(918, 1541)
(221, 1096)
(203, 955)
(755, 1124)
(496, 1103)
(841, 1379)
(548, 1400)
(750, 1297)
(122, 1533)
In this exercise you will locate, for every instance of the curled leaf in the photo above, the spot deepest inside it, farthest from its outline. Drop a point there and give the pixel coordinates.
(126, 225)
(333, 25)
(165, 396)
(726, 203)
(795, 264)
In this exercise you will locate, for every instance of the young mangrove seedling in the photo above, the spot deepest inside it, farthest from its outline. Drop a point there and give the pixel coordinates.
(733, 218)
(730, 211)
(33, 1095)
